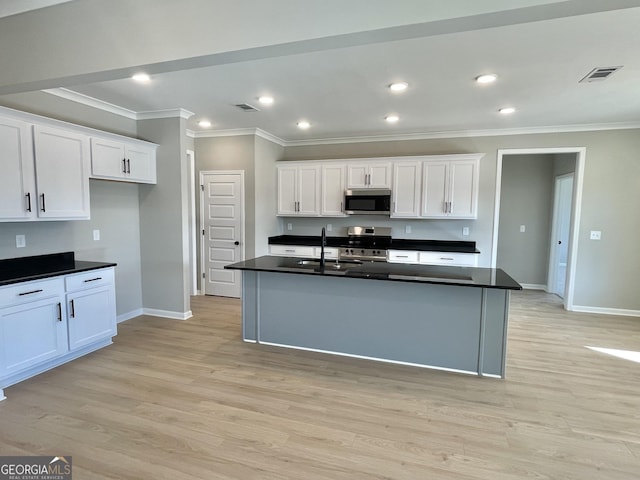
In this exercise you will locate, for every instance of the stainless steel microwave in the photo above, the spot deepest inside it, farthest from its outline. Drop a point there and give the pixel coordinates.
(367, 201)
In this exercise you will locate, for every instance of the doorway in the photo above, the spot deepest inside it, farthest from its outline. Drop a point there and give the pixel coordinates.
(560, 230)
(222, 219)
(576, 204)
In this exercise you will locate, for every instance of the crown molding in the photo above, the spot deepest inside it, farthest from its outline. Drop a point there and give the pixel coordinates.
(92, 102)
(465, 133)
(186, 114)
(239, 131)
(171, 113)
(115, 109)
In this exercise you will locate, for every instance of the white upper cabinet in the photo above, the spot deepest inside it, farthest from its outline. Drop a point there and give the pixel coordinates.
(333, 186)
(372, 174)
(62, 166)
(128, 162)
(450, 187)
(299, 190)
(17, 182)
(406, 189)
(439, 187)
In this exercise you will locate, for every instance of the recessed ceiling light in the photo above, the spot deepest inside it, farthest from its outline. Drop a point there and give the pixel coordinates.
(507, 110)
(398, 86)
(487, 78)
(303, 124)
(392, 118)
(204, 123)
(265, 100)
(141, 77)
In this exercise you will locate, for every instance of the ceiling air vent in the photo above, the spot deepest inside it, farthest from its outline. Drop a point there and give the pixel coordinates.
(599, 74)
(246, 107)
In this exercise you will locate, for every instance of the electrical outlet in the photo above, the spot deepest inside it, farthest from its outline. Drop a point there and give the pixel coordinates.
(96, 235)
(407, 229)
(465, 231)
(21, 241)
(595, 235)
(329, 227)
(522, 228)
(289, 226)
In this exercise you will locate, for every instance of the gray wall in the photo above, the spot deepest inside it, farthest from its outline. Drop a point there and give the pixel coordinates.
(229, 153)
(526, 199)
(266, 223)
(164, 236)
(607, 270)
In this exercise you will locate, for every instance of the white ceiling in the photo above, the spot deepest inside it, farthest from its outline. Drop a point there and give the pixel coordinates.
(343, 91)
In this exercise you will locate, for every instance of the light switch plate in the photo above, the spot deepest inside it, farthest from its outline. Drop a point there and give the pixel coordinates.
(289, 226)
(407, 229)
(522, 228)
(96, 235)
(329, 227)
(21, 241)
(465, 231)
(596, 235)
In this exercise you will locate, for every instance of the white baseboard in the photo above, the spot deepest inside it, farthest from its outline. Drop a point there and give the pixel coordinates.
(167, 314)
(533, 286)
(129, 315)
(606, 311)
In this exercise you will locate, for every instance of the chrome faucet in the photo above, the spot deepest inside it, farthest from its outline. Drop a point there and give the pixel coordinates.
(323, 243)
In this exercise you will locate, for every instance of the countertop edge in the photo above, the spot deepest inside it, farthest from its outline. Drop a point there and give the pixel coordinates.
(423, 280)
(78, 269)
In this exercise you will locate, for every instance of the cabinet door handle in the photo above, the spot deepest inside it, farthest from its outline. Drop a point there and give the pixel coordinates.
(28, 195)
(446, 258)
(450, 206)
(43, 208)
(93, 279)
(341, 209)
(124, 165)
(29, 293)
(128, 165)
(444, 207)
(59, 312)
(402, 256)
(368, 182)
(73, 309)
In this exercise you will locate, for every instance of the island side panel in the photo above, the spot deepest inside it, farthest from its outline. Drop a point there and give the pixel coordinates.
(418, 323)
(250, 306)
(495, 331)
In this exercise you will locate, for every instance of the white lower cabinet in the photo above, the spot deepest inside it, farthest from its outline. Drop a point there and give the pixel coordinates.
(45, 323)
(302, 251)
(32, 333)
(91, 307)
(432, 258)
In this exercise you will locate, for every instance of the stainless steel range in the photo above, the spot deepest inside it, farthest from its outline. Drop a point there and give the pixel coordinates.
(367, 244)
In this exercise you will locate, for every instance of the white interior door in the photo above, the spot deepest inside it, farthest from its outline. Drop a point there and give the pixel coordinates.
(560, 234)
(223, 197)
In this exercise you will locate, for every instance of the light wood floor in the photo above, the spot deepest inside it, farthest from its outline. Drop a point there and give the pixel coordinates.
(190, 400)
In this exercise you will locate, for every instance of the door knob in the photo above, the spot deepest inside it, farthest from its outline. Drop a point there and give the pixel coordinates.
(236, 243)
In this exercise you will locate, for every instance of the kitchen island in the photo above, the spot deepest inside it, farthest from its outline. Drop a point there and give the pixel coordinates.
(442, 317)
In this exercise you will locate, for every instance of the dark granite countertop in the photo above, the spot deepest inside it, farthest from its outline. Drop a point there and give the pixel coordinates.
(453, 246)
(24, 269)
(432, 274)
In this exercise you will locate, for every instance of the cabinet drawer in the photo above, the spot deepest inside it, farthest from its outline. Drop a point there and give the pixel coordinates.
(90, 279)
(402, 256)
(448, 258)
(291, 251)
(30, 291)
(329, 253)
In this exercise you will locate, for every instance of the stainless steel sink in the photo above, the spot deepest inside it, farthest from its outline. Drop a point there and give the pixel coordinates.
(331, 265)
